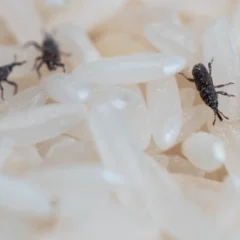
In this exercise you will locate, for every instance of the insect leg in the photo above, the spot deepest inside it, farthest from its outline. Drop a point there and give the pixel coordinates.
(223, 85)
(225, 94)
(36, 62)
(189, 79)
(210, 66)
(2, 91)
(62, 66)
(34, 44)
(13, 84)
(223, 115)
(215, 117)
(15, 63)
(38, 68)
(19, 63)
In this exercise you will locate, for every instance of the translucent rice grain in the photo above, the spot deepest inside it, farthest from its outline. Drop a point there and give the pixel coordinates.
(232, 163)
(218, 43)
(201, 191)
(68, 150)
(91, 175)
(44, 146)
(118, 97)
(206, 7)
(205, 151)
(233, 135)
(145, 178)
(23, 229)
(228, 208)
(78, 43)
(22, 160)
(131, 104)
(220, 129)
(163, 160)
(165, 112)
(139, 119)
(121, 224)
(81, 131)
(111, 222)
(235, 23)
(171, 39)
(200, 183)
(18, 15)
(230, 134)
(129, 69)
(193, 119)
(198, 26)
(39, 124)
(85, 15)
(29, 98)
(128, 158)
(187, 96)
(6, 148)
(93, 190)
(61, 88)
(180, 165)
(31, 200)
(55, 3)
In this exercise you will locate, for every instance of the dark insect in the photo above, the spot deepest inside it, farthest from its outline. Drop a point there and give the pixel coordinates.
(204, 84)
(5, 72)
(51, 54)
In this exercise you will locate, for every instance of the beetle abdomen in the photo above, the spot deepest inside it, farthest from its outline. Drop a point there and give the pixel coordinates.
(209, 96)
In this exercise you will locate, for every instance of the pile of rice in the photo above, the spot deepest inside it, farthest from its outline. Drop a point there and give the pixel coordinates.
(120, 147)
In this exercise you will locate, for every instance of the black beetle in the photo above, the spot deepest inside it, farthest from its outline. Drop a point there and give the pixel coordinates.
(51, 54)
(204, 84)
(5, 72)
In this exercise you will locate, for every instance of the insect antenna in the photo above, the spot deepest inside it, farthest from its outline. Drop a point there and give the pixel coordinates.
(219, 116)
(223, 115)
(217, 113)
(214, 121)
